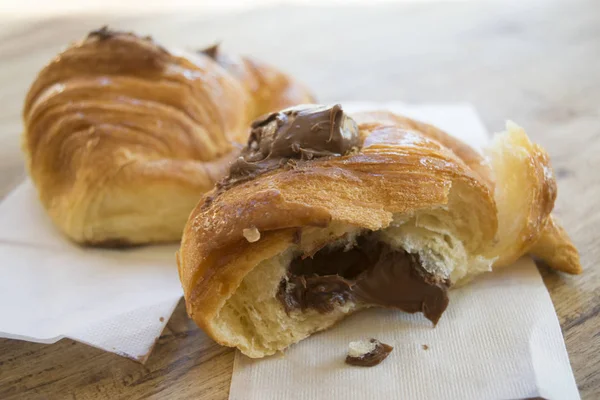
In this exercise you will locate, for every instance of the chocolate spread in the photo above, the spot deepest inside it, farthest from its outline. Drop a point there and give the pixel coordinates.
(370, 273)
(373, 357)
(302, 132)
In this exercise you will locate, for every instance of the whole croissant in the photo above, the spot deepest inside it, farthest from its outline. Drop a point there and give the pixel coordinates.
(123, 136)
(325, 214)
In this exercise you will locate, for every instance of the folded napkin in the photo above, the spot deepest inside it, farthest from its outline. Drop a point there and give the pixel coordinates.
(50, 288)
(498, 339)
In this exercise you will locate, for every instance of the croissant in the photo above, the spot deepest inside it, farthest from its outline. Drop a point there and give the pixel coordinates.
(122, 136)
(324, 214)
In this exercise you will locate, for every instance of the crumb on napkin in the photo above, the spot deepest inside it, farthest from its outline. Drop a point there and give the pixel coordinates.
(367, 353)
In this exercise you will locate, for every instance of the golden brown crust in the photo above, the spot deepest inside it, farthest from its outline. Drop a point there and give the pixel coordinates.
(116, 121)
(525, 195)
(404, 169)
(469, 156)
(556, 249)
(396, 172)
(529, 182)
(209, 281)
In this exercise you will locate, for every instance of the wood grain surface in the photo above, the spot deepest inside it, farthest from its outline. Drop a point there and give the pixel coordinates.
(535, 62)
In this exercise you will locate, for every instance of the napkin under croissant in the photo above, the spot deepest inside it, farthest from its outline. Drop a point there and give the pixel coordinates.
(324, 214)
(122, 136)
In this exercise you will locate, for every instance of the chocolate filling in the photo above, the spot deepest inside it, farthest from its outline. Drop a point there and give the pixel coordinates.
(302, 132)
(370, 273)
(286, 138)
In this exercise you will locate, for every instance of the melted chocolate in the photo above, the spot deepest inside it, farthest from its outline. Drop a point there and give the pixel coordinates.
(398, 280)
(302, 132)
(369, 273)
(323, 293)
(372, 358)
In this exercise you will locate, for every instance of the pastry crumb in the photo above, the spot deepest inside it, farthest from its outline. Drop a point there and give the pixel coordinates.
(362, 347)
(251, 234)
(367, 353)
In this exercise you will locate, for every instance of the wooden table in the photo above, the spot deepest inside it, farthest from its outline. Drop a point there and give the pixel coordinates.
(537, 63)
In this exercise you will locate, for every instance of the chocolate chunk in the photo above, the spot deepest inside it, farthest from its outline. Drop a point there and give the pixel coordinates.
(103, 33)
(371, 273)
(367, 353)
(303, 132)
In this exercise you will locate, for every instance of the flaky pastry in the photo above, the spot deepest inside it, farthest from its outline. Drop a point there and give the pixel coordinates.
(349, 213)
(123, 136)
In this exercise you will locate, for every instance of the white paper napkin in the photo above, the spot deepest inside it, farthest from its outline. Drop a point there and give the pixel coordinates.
(116, 300)
(499, 338)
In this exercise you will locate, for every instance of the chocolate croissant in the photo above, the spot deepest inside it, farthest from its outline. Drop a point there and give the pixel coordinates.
(324, 214)
(122, 136)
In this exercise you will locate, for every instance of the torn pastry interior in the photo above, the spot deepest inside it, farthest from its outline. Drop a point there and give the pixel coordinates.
(367, 353)
(324, 214)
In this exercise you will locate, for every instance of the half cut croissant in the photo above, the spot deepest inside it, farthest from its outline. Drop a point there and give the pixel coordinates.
(323, 215)
(122, 136)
